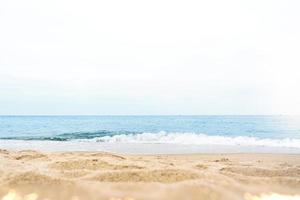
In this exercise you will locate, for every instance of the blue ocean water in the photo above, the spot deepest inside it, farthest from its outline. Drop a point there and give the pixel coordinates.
(273, 131)
(80, 127)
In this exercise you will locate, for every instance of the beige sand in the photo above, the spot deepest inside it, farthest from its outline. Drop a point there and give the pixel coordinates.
(31, 175)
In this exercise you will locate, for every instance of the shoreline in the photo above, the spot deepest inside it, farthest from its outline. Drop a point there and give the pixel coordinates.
(140, 148)
(94, 175)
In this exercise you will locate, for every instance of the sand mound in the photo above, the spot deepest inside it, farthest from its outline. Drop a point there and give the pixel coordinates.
(29, 155)
(93, 164)
(92, 155)
(89, 164)
(110, 155)
(222, 160)
(166, 176)
(73, 174)
(3, 151)
(253, 171)
(201, 166)
(32, 178)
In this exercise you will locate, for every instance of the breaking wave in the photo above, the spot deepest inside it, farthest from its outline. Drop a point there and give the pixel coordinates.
(104, 136)
(198, 139)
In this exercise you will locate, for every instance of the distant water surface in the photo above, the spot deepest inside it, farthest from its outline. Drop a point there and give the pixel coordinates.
(239, 131)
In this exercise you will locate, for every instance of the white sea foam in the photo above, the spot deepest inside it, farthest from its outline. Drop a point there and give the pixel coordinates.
(198, 139)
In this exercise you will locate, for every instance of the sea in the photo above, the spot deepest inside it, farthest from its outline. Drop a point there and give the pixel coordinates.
(178, 134)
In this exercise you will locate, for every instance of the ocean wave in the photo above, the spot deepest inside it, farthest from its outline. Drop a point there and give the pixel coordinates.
(198, 139)
(68, 136)
(181, 138)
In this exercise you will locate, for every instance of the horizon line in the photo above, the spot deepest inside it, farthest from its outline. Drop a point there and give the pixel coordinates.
(57, 115)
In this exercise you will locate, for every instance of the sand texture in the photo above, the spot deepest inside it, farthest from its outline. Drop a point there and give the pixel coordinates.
(32, 175)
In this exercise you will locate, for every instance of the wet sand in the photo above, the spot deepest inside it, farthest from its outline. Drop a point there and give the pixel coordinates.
(32, 175)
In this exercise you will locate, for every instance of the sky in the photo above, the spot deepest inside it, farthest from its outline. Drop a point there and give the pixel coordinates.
(136, 57)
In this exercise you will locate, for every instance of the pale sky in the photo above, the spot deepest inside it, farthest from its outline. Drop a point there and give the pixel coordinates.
(149, 57)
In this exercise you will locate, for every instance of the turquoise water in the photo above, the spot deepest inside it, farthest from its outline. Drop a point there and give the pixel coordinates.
(73, 127)
(270, 131)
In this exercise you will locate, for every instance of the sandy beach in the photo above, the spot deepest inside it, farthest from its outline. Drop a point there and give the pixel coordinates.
(32, 175)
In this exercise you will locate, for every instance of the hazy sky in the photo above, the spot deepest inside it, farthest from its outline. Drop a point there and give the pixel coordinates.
(149, 57)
